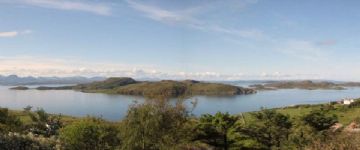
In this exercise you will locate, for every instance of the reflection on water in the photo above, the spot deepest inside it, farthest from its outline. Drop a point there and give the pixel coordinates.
(114, 107)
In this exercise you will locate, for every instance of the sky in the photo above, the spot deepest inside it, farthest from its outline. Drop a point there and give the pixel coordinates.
(187, 39)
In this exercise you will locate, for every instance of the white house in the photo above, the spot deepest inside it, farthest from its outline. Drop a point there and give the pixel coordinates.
(347, 101)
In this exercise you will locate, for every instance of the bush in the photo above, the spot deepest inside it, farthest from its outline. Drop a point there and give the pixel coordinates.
(270, 129)
(155, 125)
(319, 120)
(89, 133)
(216, 130)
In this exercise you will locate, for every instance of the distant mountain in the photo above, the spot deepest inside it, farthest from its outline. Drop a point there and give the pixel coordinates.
(16, 80)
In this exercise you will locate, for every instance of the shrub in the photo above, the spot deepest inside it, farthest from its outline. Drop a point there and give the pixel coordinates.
(319, 120)
(215, 130)
(89, 133)
(155, 125)
(270, 129)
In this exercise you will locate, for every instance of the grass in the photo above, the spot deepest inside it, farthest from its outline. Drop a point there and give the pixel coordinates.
(25, 118)
(345, 115)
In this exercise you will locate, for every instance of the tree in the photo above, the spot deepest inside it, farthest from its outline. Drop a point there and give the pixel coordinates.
(216, 129)
(89, 133)
(319, 120)
(269, 128)
(156, 124)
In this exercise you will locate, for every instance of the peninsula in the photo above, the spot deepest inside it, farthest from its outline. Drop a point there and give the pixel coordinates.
(305, 85)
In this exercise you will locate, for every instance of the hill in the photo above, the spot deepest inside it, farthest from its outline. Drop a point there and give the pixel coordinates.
(129, 86)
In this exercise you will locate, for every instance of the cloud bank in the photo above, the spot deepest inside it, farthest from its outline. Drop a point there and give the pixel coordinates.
(63, 68)
(10, 34)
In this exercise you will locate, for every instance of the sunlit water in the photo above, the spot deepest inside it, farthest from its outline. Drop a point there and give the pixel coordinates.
(114, 107)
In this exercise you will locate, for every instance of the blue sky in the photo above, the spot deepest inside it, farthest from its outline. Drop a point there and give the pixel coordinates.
(203, 39)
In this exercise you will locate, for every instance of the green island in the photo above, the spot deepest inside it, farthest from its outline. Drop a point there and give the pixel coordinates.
(167, 88)
(157, 125)
(20, 88)
(306, 85)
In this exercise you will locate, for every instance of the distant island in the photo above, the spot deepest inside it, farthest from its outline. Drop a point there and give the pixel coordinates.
(169, 88)
(306, 85)
(20, 88)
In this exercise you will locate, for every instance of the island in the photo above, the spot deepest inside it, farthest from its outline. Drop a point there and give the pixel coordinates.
(55, 88)
(168, 88)
(305, 85)
(19, 88)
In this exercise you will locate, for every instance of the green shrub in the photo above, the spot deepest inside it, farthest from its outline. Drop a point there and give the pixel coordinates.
(155, 125)
(319, 120)
(89, 133)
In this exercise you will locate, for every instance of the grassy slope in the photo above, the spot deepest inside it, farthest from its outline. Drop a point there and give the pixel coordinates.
(345, 116)
(26, 118)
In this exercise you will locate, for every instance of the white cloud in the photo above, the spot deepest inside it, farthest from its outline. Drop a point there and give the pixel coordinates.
(76, 5)
(187, 17)
(9, 34)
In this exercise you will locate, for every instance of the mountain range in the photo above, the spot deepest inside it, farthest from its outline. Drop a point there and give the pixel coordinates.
(30, 80)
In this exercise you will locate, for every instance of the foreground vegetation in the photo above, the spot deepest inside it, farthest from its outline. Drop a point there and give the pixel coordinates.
(158, 125)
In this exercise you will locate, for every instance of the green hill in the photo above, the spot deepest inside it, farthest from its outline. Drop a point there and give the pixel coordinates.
(170, 88)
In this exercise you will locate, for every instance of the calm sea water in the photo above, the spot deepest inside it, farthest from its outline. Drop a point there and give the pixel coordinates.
(114, 107)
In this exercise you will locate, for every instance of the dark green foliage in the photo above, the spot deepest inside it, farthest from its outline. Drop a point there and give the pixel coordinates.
(216, 130)
(301, 134)
(356, 103)
(155, 125)
(8, 122)
(20, 142)
(271, 129)
(89, 134)
(319, 120)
